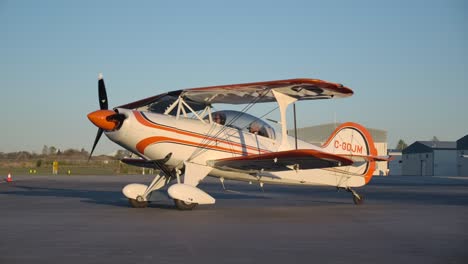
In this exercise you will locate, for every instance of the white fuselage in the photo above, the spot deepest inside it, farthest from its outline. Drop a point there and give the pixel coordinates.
(153, 136)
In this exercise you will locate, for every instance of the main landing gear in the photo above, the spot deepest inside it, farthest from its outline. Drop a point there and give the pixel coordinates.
(184, 206)
(139, 202)
(186, 195)
(138, 194)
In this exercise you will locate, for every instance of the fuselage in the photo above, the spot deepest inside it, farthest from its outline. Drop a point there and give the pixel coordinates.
(153, 136)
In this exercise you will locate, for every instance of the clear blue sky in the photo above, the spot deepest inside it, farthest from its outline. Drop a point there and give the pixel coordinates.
(405, 60)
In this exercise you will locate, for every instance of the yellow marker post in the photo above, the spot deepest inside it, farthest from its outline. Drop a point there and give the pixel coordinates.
(55, 166)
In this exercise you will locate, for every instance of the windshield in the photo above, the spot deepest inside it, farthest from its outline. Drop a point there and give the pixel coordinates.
(244, 122)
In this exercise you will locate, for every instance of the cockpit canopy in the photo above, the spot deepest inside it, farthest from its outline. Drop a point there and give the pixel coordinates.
(244, 122)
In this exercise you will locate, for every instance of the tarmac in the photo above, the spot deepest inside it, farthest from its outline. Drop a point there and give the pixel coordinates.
(86, 219)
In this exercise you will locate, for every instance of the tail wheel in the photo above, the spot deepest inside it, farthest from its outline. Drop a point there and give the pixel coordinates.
(136, 204)
(358, 200)
(183, 206)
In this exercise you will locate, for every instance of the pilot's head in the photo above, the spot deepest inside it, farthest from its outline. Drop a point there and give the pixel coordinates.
(254, 127)
(219, 118)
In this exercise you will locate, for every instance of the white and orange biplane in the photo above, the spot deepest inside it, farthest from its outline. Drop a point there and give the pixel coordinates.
(178, 134)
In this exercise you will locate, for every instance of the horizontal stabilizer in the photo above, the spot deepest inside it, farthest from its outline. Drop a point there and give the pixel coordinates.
(359, 158)
(282, 161)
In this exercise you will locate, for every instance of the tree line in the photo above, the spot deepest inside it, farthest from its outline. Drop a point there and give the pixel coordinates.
(53, 152)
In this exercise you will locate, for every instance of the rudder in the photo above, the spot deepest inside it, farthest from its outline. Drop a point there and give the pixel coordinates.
(353, 140)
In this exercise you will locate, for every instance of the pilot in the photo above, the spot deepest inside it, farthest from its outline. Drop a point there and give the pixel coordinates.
(256, 128)
(219, 118)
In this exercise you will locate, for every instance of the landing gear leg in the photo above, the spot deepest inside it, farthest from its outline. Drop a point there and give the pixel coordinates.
(357, 198)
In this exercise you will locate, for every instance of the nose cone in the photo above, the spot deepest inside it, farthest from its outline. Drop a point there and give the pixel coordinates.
(100, 118)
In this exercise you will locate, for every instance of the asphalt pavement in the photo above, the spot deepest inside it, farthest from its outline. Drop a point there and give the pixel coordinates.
(86, 219)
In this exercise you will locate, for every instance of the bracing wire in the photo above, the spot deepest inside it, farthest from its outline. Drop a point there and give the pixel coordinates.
(209, 139)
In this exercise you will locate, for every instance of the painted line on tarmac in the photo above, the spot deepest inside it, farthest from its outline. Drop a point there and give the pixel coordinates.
(452, 177)
(233, 191)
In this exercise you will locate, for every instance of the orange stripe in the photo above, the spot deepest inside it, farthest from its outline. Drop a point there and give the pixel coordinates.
(145, 122)
(143, 144)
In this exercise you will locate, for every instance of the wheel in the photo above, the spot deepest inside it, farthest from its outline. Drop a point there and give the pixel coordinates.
(358, 200)
(136, 204)
(181, 205)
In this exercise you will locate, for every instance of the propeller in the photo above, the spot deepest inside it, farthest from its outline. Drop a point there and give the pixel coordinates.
(103, 106)
(104, 119)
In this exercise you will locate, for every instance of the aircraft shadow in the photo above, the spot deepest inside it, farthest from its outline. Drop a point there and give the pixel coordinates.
(236, 195)
(113, 198)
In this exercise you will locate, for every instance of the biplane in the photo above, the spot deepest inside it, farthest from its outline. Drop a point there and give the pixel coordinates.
(180, 135)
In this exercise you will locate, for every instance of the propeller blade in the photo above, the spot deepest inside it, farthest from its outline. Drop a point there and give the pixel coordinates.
(102, 94)
(98, 136)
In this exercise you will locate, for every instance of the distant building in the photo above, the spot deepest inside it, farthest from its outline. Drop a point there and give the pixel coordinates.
(396, 162)
(319, 134)
(462, 156)
(430, 158)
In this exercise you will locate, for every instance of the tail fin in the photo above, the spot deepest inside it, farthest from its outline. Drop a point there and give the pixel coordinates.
(355, 142)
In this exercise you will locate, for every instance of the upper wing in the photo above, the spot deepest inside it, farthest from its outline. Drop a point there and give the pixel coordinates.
(258, 92)
(282, 161)
(301, 89)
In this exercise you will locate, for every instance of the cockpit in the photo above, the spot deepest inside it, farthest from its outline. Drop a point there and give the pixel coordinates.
(243, 122)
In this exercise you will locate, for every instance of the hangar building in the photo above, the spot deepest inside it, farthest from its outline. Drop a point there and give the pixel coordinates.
(319, 134)
(430, 158)
(395, 163)
(462, 156)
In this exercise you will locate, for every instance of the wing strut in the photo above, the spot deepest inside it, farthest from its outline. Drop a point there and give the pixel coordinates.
(181, 105)
(283, 102)
(295, 126)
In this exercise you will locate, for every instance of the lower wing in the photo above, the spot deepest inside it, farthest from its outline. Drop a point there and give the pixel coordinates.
(282, 161)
